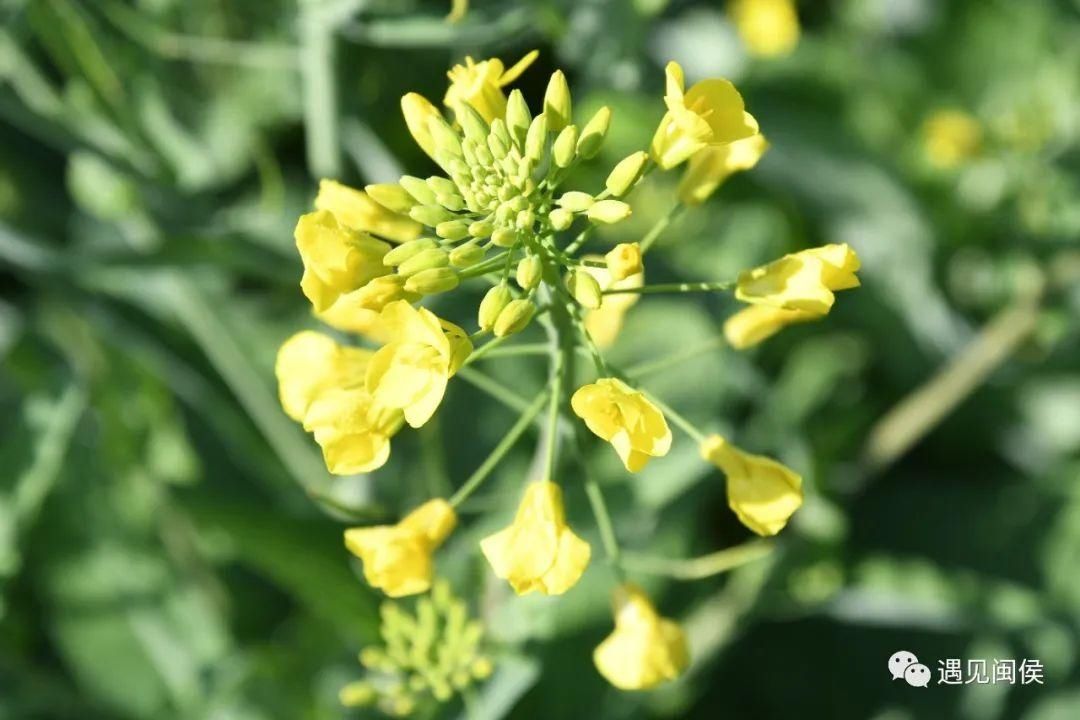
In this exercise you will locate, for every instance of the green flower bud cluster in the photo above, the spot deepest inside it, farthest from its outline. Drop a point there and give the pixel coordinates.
(500, 196)
(427, 656)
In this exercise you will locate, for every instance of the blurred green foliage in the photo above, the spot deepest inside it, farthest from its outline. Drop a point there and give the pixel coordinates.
(170, 544)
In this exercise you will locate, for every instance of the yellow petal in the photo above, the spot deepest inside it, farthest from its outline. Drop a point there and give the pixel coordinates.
(757, 323)
(762, 492)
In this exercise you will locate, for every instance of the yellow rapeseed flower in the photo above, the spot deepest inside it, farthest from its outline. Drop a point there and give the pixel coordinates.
(804, 280)
(624, 417)
(951, 137)
(410, 372)
(762, 492)
(397, 558)
(336, 259)
(757, 323)
(356, 211)
(310, 363)
(624, 260)
(352, 429)
(538, 551)
(480, 84)
(711, 112)
(418, 112)
(604, 323)
(358, 311)
(645, 649)
(768, 28)
(711, 166)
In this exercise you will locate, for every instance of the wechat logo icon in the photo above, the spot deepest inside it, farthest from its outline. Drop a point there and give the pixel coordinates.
(904, 665)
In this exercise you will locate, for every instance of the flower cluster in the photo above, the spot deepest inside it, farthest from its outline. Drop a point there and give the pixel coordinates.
(497, 215)
(426, 656)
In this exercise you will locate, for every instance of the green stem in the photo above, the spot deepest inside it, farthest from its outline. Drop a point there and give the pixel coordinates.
(647, 368)
(660, 226)
(581, 239)
(483, 268)
(558, 365)
(481, 474)
(493, 388)
(700, 567)
(685, 425)
(603, 523)
(673, 288)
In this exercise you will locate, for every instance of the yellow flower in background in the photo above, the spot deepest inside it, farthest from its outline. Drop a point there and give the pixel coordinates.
(458, 8)
(645, 649)
(711, 112)
(757, 323)
(538, 551)
(624, 417)
(410, 372)
(480, 84)
(418, 111)
(604, 323)
(397, 558)
(356, 211)
(352, 429)
(336, 259)
(762, 492)
(711, 166)
(804, 280)
(768, 28)
(950, 137)
(310, 363)
(624, 260)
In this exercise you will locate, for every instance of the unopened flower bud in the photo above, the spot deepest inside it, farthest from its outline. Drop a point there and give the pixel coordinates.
(497, 146)
(557, 102)
(424, 260)
(453, 203)
(592, 136)
(481, 229)
(624, 260)
(380, 292)
(446, 140)
(575, 201)
(453, 229)
(432, 281)
(609, 211)
(418, 188)
(498, 130)
(525, 219)
(493, 303)
(584, 288)
(536, 138)
(561, 218)
(626, 174)
(564, 149)
(514, 317)
(441, 186)
(518, 117)
(417, 111)
(406, 250)
(529, 271)
(471, 122)
(467, 254)
(504, 237)
(391, 196)
(431, 215)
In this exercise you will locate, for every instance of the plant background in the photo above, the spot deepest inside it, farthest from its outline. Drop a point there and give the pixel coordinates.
(170, 544)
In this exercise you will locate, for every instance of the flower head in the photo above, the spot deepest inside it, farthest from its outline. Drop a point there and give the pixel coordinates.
(480, 84)
(310, 363)
(762, 492)
(336, 259)
(768, 28)
(397, 558)
(951, 137)
(423, 352)
(352, 429)
(624, 417)
(711, 166)
(757, 323)
(645, 649)
(709, 113)
(353, 209)
(804, 280)
(538, 551)
(605, 322)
